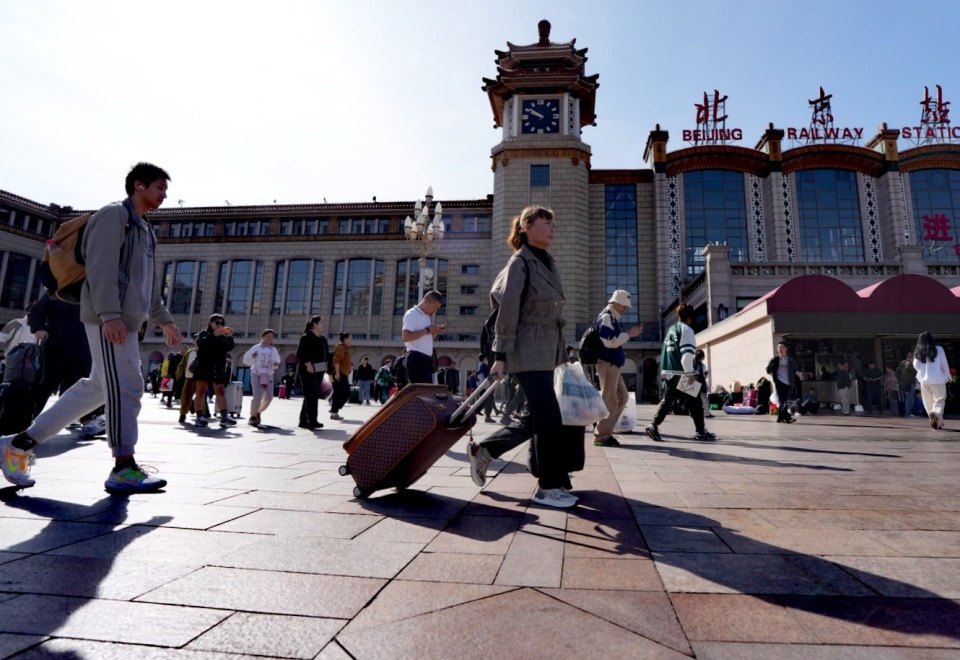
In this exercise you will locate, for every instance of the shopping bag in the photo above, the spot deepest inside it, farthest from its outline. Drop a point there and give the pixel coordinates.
(580, 402)
(628, 419)
(166, 384)
(326, 387)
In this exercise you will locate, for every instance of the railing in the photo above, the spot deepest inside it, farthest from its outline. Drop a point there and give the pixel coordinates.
(794, 269)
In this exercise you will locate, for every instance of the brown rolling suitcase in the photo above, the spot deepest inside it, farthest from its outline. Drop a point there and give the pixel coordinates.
(408, 435)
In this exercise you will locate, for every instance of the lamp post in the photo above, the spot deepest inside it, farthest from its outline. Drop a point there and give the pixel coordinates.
(424, 233)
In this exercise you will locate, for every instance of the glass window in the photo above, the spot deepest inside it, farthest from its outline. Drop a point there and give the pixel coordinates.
(201, 279)
(408, 288)
(828, 216)
(257, 288)
(317, 281)
(935, 195)
(279, 281)
(470, 269)
(539, 176)
(715, 211)
(286, 228)
(323, 227)
(221, 287)
(358, 287)
(174, 230)
(469, 289)
(620, 242)
(15, 284)
(182, 290)
(166, 282)
(298, 287)
(241, 279)
(469, 311)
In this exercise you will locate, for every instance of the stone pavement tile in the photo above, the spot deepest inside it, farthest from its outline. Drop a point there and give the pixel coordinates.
(716, 477)
(119, 579)
(107, 620)
(823, 541)
(551, 629)
(641, 488)
(496, 503)
(283, 483)
(182, 546)
(737, 618)
(879, 621)
(600, 505)
(28, 536)
(327, 556)
(747, 651)
(286, 501)
(477, 534)
(662, 538)
(532, 560)
(647, 613)
(410, 503)
(918, 543)
(403, 530)
(754, 574)
(269, 592)
(947, 521)
(78, 648)
(729, 518)
(38, 503)
(404, 600)
(333, 651)
(905, 577)
(833, 519)
(11, 643)
(604, 539)
(728, 501)
(299, 523)
(11, 556)
(288, 637)
(618, 574)
(451, 567)
(658, 500)
(6, 596)
(170, 514)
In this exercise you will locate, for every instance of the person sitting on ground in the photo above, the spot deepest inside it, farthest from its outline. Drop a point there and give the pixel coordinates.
(811, 403)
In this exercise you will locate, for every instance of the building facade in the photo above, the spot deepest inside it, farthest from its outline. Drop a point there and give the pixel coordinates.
(712, 223)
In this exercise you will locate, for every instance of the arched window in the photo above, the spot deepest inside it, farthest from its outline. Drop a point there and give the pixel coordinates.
(715, 210)
(358, 287)
(620, 242)
(935, 195)
(239, 285)
(182, 283)
(296, 286)
(828, 216)
(17, 289)
(408, 283)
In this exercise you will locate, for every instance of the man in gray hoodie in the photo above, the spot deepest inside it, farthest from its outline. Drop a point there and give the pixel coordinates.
(117, 300)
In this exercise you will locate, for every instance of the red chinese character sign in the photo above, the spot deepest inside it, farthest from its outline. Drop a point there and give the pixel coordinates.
(821, 128)
(934, 121)
(712, 122)
(937, 229)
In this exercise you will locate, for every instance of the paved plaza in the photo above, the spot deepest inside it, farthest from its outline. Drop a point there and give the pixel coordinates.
(829, 538)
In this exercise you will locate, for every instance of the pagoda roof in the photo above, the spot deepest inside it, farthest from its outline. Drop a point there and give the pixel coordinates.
(544, 67)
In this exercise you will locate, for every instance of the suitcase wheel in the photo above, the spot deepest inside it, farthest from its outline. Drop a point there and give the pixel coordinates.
(344, 470)
(359, 493)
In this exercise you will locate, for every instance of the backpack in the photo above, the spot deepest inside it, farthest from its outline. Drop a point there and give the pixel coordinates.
(590, 345)
(489, 330)
(63, 268)
(22, 364)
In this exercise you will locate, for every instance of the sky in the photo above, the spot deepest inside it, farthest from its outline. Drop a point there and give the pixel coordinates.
(299, 101)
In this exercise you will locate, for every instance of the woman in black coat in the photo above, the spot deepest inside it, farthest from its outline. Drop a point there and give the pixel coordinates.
(213, 344)
(313, 354)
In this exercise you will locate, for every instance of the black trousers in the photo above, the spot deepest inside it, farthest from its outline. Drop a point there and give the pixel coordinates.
(419, 368)
(783, 395)
(311, 395)
(341, 394)
(670, 395)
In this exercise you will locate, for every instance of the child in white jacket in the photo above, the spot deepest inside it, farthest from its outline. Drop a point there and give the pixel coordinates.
(933, 374)
(263, 360)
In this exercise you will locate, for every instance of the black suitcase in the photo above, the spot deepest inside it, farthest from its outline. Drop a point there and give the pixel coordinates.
(408, 435)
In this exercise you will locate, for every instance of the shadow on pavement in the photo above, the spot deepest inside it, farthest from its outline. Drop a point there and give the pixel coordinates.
(672, 449)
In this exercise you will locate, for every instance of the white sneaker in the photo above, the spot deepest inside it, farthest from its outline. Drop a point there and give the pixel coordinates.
(479, 462)
(15, 463)
(555, 497)
(226, 420)
(201, 421)
(134, 479)
(94, 427)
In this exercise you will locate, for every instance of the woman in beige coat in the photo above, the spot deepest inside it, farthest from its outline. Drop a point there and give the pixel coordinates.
(529, 344)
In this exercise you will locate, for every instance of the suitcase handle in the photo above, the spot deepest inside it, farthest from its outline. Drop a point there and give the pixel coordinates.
(472, 403)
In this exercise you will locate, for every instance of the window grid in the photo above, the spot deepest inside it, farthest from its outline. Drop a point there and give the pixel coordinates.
(828, 216)
(935, 193)
(620, 235)
(715, 210)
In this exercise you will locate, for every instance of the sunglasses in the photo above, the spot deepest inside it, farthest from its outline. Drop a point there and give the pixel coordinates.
(218, 323)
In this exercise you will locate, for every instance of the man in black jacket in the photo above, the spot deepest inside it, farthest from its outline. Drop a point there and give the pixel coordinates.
(784, 373)
(66, 355)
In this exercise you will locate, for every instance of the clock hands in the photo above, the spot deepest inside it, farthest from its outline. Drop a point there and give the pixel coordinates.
(535, 113)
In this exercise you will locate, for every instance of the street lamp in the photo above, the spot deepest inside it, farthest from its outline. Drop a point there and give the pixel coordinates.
(424, 234)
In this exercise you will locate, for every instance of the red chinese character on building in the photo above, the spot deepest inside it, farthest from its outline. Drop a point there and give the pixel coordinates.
(956, 249)
(936, 228)
(935, 111)
(821, 109)
(708, 111)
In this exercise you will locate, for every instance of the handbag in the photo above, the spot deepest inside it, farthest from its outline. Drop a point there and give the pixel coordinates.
(265, 380)
(319, 367)
(166, 384)
(580, 402)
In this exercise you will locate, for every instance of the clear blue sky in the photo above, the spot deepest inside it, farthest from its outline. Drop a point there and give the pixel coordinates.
(298, 101)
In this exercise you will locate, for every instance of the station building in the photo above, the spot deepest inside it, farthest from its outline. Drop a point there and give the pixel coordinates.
(703, 219)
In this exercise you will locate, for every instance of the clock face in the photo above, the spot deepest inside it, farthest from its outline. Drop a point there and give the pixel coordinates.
(540, 116)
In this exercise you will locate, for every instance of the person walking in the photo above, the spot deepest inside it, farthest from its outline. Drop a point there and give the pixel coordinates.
(313, 353)
(845, 383)
(113, 315)
(263, 360)
(892, 389)
(365, 376)
(933, 374)
(189, 388)
(418, 333)
(872, 388)
(483, 372)
(907, 381)
(703, 377)
(384, 380)
(676, 366)
(211, 369)
(63, 342)
(786, 377)
(609, 362)
(342, 366)
(528, 342)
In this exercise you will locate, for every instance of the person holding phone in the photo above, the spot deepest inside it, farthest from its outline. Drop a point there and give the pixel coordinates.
(418, 333)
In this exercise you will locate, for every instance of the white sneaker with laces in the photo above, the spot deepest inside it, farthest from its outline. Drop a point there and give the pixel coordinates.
(479, 462)
(226, 420)
(555, 497)
(15, 463)
(134, 479)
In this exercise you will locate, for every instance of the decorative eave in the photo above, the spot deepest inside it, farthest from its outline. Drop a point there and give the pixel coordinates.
(833, 156)
(49, 211)
(718, 157)
(931, 156)
(620, 177)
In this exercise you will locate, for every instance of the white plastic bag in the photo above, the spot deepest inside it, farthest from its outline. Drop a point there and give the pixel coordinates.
(580, 402)
(628, 420)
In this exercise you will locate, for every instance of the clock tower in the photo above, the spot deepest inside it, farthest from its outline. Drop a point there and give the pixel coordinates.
(541, 98)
